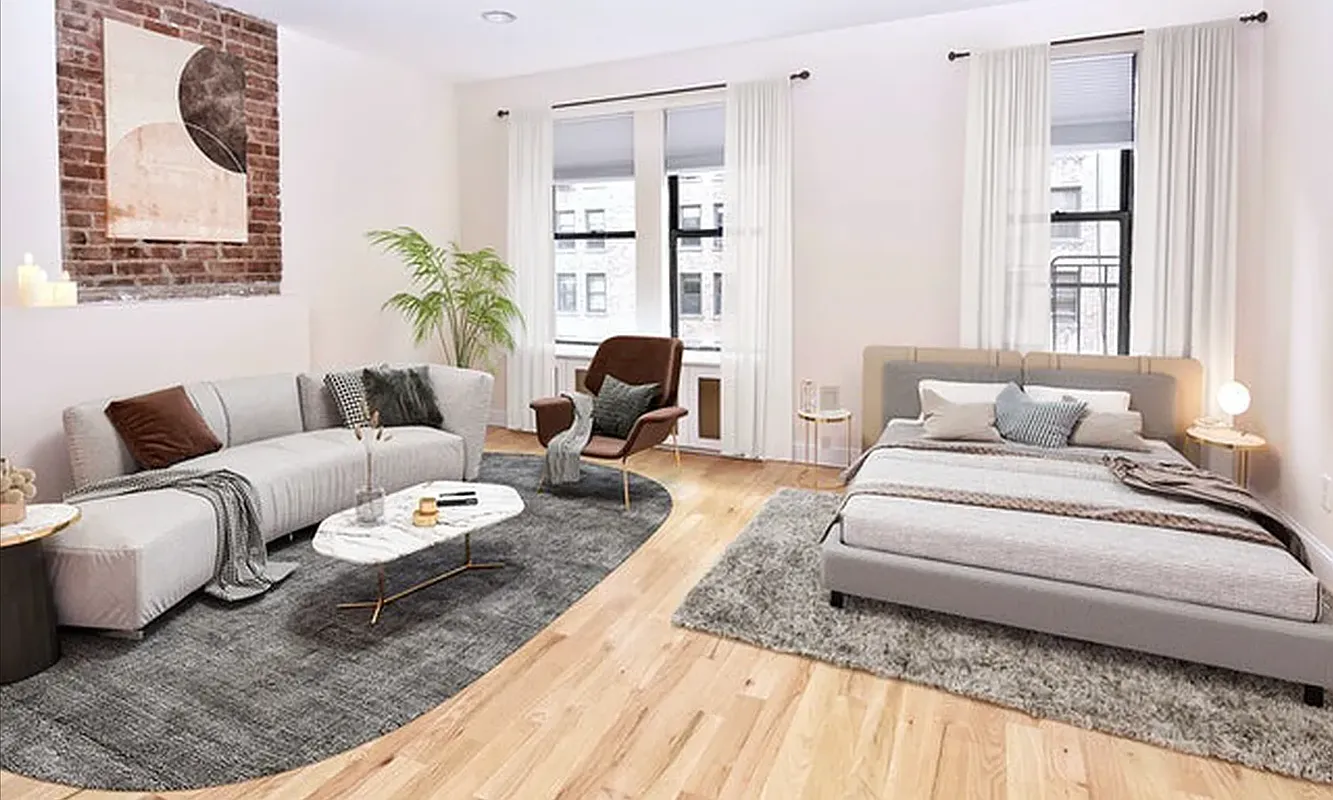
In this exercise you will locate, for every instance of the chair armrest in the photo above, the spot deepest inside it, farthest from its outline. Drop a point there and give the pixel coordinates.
(554, 414)
(653, 428)
(465, 401)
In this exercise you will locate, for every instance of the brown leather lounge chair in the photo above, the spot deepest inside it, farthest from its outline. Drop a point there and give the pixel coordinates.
(634, 360)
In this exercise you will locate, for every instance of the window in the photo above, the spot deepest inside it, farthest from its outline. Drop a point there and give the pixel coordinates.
(595, 219)
(1065, 198)
(566, 292)
(596, 293)
(717, 295)
(717, 223)
(1092, 202)
(691, 219)
(564, 223)
(691, 294)
(594, 204)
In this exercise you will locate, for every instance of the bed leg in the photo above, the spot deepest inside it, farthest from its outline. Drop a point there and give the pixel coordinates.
(837, 599)
(1314, 695)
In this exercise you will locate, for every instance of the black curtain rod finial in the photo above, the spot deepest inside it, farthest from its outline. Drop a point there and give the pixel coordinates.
(502, 113)
(1259, 16)
(801, 76)
(954, 55)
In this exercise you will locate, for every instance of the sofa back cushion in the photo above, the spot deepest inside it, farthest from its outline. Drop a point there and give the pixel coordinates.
(318, 408)
(260, 407)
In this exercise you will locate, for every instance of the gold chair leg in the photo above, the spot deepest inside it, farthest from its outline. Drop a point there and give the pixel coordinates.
(624, 479)
(675, 444)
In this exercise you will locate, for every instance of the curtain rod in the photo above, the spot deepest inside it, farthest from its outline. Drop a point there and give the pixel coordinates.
(1259, 16)
(504, 112)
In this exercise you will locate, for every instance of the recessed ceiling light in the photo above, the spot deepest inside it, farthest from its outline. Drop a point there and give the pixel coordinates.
(499, 16)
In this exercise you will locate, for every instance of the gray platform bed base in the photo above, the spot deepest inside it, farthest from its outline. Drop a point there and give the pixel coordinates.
(1300, 652)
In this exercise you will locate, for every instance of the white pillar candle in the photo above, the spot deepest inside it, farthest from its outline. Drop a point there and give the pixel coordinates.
(31, 282)
(64, 292)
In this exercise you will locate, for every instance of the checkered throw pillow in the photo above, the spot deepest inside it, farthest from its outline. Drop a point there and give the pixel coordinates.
(349, 393)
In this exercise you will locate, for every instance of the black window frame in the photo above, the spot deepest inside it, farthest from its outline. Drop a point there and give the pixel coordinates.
(574, 292)
(588, 293)
(674, 235)
(1124, 215)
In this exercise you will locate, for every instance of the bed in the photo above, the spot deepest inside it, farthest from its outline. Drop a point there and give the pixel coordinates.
(1230, 601)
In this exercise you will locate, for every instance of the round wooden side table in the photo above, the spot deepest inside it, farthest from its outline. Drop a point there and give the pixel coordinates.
(28, 639)
(1240, 444)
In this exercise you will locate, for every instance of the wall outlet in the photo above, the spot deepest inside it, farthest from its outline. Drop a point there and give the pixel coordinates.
(1327, 495)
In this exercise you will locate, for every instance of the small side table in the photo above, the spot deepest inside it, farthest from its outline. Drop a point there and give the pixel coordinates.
(28, 639)
(813, 419)
(1240, 444)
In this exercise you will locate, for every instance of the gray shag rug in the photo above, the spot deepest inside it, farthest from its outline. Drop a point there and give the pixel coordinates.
(218, 693)
(766, 590)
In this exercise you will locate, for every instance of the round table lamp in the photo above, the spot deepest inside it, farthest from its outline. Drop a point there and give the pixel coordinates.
(1233, 398)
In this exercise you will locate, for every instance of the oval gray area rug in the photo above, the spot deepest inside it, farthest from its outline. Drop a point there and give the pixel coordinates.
(218, 693)
(766, 589)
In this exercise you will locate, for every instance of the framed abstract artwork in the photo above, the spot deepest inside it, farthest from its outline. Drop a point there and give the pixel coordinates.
(175, 138)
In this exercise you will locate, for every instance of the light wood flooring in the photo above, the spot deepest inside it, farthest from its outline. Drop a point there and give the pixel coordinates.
(611, 701)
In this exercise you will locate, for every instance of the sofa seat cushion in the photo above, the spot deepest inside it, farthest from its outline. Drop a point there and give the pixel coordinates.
(130, 558)
(302, 478)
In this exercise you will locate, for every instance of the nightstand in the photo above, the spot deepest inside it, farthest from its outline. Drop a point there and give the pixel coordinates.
(1240, 444)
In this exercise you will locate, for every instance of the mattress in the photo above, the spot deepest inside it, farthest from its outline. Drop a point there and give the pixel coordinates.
(1156, 562)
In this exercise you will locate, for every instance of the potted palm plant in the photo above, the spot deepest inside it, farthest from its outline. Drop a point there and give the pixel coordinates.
(458, 296)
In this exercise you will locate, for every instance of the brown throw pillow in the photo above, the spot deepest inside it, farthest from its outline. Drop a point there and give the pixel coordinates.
(162, 428)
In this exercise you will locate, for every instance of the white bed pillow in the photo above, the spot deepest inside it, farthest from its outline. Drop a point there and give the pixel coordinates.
(959, 391)
(967, 422)
(1110, 401)
(1114, 430)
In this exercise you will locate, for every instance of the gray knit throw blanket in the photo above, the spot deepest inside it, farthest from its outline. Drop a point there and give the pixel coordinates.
(563, 464)
(242, 569)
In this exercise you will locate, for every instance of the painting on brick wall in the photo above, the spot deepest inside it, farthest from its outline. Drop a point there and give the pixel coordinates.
(175, 138)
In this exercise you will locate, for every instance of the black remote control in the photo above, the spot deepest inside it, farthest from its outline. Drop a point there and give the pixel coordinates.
(456, 501)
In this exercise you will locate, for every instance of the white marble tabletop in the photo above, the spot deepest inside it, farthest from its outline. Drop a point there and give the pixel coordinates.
(42, 519)
(342, 537)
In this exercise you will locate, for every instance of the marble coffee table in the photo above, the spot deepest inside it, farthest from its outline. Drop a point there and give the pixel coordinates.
(342, 537)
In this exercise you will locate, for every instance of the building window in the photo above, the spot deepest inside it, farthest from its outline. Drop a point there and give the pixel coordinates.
(691, 219)
(1063, 200)
(691, 294)
(717, 223)
(717, 295)
(596, 293)
(595, 222)
(566, 292)
(564, 223)
(594, 195)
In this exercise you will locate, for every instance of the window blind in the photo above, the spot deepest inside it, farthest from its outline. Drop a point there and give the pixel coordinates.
(695, 137)
(1092, 101)
(591, 148)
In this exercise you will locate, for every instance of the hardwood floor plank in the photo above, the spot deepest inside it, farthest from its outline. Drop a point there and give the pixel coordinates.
(612, 701)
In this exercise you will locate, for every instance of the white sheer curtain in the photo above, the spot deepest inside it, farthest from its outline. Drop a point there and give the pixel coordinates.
(531, 367)
(1184, 290)
(757, 295)
(1006, 296)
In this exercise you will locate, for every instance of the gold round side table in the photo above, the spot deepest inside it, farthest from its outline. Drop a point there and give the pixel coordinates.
(29, 642)
(812, 420)
(1240, 444)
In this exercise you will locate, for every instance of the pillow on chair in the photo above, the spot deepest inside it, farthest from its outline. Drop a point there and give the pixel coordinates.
(618, 405)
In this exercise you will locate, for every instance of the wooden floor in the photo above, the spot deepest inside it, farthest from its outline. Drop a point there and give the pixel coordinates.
(611, 701)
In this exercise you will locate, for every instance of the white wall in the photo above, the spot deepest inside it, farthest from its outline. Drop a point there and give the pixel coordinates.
(364, 144)
(878, 166)
(1285, 337)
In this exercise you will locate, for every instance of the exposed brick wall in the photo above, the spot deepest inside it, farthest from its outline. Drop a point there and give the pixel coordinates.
(120, 268)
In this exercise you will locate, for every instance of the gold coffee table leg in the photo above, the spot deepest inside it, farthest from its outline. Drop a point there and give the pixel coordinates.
(381, 601)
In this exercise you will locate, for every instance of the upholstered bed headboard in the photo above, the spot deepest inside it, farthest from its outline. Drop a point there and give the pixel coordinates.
(1167, 391)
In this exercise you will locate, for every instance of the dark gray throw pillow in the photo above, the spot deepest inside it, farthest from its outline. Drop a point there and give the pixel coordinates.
(1021, 419)
(619, 404)
(402, 396)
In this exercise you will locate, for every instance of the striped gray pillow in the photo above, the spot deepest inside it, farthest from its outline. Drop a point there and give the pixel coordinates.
(1021, 419)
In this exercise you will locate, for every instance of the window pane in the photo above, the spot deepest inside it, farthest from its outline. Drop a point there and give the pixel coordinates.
(1093, 175)
(1092, 101)
(1085, 290)
(695, 136)
(594, 147)
(691, 294)
(606, 279)
(566, 292)
(691, 218)
(717, 294)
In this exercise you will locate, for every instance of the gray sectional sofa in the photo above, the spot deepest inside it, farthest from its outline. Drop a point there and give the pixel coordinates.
(131, 558)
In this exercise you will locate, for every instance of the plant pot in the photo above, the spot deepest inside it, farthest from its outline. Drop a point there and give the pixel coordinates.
(13, 512)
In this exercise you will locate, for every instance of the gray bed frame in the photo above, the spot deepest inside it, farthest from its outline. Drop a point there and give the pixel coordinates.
(1301, 652)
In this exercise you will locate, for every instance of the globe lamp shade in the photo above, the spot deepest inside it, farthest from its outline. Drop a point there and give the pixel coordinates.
(1233, 398)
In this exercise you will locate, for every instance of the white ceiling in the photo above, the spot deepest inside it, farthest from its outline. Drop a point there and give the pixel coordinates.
(449, 36)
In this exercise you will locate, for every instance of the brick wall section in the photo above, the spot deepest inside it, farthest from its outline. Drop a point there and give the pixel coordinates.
(119, 268)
